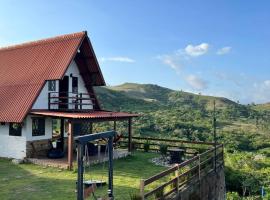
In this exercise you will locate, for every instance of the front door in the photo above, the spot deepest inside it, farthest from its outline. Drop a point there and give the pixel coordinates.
(63, 93)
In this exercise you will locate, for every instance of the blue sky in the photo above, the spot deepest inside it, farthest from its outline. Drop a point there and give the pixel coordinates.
(210, 47)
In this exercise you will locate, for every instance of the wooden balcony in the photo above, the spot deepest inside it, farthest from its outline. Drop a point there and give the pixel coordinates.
(69, 101)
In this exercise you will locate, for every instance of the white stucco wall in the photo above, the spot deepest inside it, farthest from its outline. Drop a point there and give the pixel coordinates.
(73, 69)
(12, 146)
(42, 100)
(15, 146)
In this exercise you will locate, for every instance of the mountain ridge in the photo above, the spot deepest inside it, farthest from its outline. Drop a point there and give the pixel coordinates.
(157, 96)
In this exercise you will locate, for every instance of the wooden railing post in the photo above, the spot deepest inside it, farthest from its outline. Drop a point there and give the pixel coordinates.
(199, 167)
(49, 100)
(177, 179)
(142, 189)
(214, 159)
(81, 96)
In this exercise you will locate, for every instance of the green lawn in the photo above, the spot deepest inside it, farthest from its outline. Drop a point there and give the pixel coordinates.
(28, 181)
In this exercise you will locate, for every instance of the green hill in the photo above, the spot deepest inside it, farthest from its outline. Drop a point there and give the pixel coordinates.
(133, 96)
(166, 113)
(262, 107)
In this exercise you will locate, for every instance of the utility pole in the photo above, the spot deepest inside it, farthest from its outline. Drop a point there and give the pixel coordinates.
(215, 134)
(215, 144)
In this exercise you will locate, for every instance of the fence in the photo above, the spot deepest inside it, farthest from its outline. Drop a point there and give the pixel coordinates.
(191, 148)
(188, 172)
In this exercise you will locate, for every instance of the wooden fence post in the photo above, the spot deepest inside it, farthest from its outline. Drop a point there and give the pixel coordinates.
(142, 189)
(199, 167)
(214, 159)
(177, 180)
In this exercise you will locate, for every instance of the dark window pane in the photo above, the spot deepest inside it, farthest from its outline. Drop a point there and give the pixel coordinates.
(75, 84)
(38, 126)
(52, 85)
(15, 129)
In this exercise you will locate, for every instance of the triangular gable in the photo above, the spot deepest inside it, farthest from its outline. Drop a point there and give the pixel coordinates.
(25, 68)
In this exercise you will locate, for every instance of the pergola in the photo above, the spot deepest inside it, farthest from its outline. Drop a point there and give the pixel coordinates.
(89, 117)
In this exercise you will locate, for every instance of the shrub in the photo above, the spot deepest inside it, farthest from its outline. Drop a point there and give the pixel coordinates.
(135, 196)
(146, 146)
(159, 194)
(134, 145)
(232, 196)
(163, 148)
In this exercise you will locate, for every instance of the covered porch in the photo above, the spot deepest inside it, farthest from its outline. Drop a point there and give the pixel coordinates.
(73, 120)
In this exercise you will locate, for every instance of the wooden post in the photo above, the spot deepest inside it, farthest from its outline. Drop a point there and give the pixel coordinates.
(62, 133)
(80, 187)
(110, 179)
(80, 102)
(129, 134)
(49, 101)
(177, 180)
(114, 125)
(142, 189)
(199, 167)
(70, 145)
(91, 127)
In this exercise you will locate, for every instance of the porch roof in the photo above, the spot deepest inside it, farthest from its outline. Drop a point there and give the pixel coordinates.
(85, 115)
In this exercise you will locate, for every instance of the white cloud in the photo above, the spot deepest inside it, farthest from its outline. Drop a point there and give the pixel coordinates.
(198, 50)
(266, 83)
(117, 59)
(173, 61)
(224, 50)
(196, 82)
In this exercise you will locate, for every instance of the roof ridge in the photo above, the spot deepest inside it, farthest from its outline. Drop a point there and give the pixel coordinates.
(43, 41)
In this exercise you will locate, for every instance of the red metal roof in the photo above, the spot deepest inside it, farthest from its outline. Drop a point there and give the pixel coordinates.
(24, 69)
(85, 115)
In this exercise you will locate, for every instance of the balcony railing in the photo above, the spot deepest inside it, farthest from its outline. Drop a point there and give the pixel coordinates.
(70, 101)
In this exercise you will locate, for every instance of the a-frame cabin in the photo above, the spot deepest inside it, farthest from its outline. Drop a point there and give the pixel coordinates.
(45, 80)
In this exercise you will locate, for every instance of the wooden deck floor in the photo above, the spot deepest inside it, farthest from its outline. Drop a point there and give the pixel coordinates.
(63, 162)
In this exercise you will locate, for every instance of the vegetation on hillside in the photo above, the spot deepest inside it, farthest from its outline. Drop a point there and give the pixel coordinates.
(244, 129)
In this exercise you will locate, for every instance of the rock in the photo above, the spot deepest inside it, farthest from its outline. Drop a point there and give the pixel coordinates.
(161, 161)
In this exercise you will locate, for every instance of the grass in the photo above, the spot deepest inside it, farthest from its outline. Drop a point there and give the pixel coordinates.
(28, 181)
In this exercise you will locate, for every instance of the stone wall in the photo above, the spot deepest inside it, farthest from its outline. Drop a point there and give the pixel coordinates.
(38, 148)
(211, 187)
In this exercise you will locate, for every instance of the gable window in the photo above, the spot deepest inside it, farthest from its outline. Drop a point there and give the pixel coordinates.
(52, 85)
(38, 126)
(15, 129)
(75, 84)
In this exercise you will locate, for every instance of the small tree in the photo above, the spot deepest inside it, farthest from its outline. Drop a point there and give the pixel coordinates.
(146, 146)
(163, 149)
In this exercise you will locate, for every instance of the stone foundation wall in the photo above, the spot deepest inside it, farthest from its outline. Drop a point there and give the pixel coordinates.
(37, 148)
(211, 187)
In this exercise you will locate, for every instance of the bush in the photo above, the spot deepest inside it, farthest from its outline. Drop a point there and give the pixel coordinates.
(134, 145)
(135, 196)
(232, 196)
(159, 194)
(146, 146)
(163, 149)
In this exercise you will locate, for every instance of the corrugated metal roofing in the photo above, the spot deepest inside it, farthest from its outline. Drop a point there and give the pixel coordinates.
(25, 68)
(85, 115)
